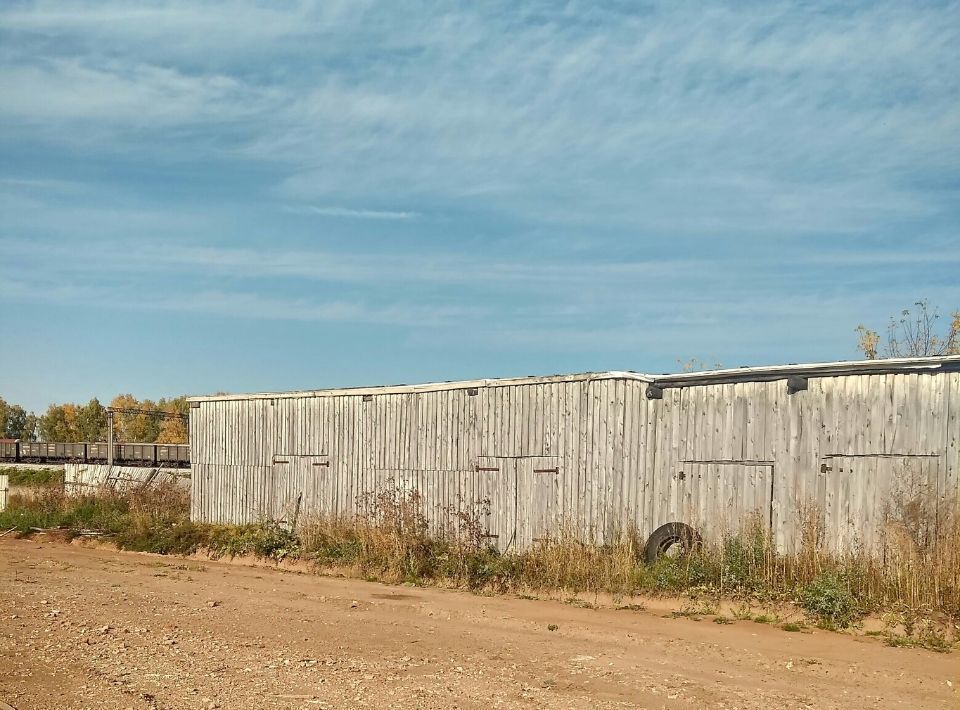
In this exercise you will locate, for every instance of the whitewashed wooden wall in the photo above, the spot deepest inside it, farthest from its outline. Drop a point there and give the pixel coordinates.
(594, 453)
(83, 478)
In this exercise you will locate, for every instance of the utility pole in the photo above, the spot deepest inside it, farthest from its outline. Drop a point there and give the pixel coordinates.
(109, 436)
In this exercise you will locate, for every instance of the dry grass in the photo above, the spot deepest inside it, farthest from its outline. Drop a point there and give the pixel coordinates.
(915, 575)
(393, 541)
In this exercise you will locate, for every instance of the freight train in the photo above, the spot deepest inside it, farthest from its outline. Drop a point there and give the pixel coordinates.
(166, 455)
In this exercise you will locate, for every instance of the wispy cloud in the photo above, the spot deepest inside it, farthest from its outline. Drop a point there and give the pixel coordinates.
(248, 305)
(482, 181)
(552, 301)
(789, 117)
(354, 213)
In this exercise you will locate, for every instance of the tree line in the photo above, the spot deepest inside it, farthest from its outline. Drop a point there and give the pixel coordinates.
(88, 422)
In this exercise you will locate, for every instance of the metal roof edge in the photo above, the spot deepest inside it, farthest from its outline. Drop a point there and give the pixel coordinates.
(740, 374)
(429, 386)
(815, 369)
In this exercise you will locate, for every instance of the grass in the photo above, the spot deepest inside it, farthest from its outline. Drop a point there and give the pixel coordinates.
(393, 542)
(33, 476)
(932, 639)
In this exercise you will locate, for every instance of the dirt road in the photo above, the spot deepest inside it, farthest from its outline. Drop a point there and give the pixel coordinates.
(92, 628)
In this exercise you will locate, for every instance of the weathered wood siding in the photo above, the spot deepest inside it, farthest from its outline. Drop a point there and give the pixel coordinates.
(593, 453)
(81, 478)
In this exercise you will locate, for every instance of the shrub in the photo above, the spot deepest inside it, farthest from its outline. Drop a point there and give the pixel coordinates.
(830, 602)
(266, 540)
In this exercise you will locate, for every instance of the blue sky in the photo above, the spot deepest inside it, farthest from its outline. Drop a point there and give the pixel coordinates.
(241, 197)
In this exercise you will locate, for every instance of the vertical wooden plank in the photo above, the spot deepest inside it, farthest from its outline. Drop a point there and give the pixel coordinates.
(629, 469)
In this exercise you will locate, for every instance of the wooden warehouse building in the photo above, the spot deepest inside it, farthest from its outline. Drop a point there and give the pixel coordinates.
(603, 452)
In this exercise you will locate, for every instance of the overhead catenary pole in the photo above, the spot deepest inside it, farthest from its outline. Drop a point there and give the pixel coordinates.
(109, 436)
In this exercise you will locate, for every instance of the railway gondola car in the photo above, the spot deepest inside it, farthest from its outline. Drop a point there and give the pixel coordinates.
(138, 453)
(9, 449)
(97, 452)
(174, 455)
(130, 454)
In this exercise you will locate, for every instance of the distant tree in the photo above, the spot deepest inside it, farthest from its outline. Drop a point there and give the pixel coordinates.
(915, 333)
(60, 423)
(92, 421)
(129, 427)
(150, 425)
(75, 423)
(16, 422)
(173, 430)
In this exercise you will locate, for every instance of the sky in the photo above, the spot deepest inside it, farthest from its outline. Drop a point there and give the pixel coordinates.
(269, 196)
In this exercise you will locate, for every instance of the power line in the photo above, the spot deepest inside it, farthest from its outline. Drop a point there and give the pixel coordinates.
(121, 410)
(153, 412)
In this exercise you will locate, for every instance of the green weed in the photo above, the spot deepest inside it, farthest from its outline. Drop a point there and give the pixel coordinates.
(829, 601)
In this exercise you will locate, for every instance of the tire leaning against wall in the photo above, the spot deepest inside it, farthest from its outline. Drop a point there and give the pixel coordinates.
(669, 535)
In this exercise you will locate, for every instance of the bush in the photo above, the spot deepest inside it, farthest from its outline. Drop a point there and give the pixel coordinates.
(180, 538)
(33, 477)
(830, 602)
(266, 540)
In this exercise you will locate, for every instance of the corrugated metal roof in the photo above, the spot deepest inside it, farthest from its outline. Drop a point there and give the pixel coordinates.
(741, 374)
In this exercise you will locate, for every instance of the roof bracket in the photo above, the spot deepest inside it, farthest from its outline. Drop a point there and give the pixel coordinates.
(796, 384)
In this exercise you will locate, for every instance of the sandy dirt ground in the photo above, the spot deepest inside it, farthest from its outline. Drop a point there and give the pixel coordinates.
(85, 627)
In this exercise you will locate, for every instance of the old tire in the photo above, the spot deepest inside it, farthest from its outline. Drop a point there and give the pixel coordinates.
(667, 537)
